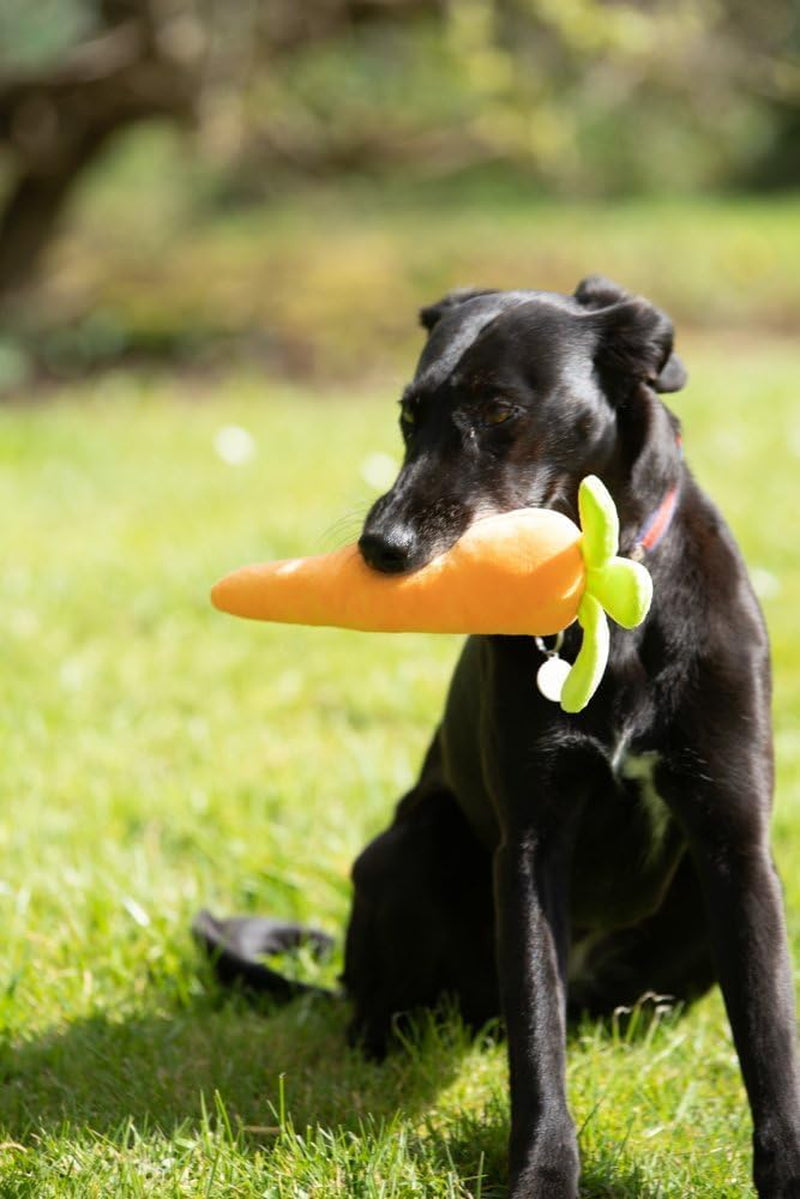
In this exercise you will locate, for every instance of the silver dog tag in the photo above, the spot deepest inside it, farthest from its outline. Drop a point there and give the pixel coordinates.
(551, 677)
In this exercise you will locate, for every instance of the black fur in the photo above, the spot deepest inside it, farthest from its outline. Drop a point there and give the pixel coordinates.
(528, 872)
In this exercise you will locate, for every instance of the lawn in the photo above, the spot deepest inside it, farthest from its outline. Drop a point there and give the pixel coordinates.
(159, 757)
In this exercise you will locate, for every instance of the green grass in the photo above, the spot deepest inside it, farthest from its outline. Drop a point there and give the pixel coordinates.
(158, 757)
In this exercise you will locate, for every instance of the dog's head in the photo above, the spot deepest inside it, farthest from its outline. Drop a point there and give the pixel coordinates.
(517, 396)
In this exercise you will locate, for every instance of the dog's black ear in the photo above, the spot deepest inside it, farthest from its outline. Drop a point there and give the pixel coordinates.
(638, 336)
(673, 377)
(635, 338)
(433, 313)
(634, 344)
(595, 291)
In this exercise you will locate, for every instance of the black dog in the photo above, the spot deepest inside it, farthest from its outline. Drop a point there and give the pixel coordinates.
(546, 862)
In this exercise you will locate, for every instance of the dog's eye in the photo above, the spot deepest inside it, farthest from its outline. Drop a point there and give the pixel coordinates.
(497, 413)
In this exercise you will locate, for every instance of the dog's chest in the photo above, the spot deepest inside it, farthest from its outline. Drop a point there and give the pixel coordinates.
(636, 770)
(628, 843)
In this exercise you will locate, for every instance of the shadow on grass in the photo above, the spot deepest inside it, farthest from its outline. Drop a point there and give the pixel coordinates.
(100, 1070)
(268, 1070)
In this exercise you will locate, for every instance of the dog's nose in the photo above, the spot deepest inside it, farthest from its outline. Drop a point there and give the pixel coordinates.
(390, 552)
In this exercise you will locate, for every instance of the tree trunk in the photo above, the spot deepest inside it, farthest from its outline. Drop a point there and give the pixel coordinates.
(32, 211)
(58, 123)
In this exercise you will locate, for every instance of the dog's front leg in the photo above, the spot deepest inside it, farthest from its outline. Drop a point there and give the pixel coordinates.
(530, 890)
(747, 927)
(727, 820)
(534, 780)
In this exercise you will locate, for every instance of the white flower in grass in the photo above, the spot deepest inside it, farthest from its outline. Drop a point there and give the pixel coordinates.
(379, 470)
(765, 584)
(234, 445)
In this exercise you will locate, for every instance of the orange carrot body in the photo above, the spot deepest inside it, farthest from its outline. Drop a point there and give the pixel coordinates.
(520, 572)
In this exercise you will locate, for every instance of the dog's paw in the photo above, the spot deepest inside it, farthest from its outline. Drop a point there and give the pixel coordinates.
(547, 1181)
(551, 1171)
(776, 1162)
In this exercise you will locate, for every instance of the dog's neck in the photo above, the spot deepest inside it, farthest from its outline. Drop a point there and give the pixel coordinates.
(648, 485)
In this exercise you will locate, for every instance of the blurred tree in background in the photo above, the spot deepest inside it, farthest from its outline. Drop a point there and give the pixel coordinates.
(137, 61)
(572, 98)
(584, 96)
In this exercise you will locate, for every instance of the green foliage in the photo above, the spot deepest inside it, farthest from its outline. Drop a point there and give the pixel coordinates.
(586, 98)
(326, 282)
(34, 33)
(159, 757)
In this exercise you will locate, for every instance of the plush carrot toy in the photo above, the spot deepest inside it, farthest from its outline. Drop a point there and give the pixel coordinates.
(530, 571)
